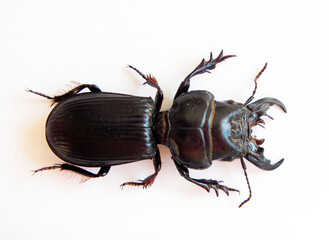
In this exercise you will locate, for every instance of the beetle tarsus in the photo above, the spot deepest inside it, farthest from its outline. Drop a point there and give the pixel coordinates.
(46, 169)
(76, 90)
(214, 184)
(151, 81)
(150, 179)
(204, 66)
(39, 93)
(147, 182)
(206, 184)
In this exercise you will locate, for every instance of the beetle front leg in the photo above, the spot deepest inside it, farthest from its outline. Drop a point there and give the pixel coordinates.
(150, 179)
(203, 67)
(74, 91)
(206, 184)
(103, 171)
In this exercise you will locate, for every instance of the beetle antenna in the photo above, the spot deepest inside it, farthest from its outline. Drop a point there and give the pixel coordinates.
(255, 80)
(245, 173)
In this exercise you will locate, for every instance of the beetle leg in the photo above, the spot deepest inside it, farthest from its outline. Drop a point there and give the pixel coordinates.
(101, 173)
(203, 67)
(74, 91)
(206, 184)
(151, 81)
(150, 179)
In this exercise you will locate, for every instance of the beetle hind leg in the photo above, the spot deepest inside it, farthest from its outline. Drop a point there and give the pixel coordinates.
(150, 179)
(101, 173)
(74, 91)
(206, 184)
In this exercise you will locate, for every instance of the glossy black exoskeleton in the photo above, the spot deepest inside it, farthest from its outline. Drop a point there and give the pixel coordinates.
(101, 129)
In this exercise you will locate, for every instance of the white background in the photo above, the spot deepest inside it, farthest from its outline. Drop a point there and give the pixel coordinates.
(44, 45)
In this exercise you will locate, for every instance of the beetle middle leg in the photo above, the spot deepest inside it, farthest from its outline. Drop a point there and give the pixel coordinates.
(203, 67)
(150, 179)
(74, 91)
(103, 171)
(206, 184)
(151, 81)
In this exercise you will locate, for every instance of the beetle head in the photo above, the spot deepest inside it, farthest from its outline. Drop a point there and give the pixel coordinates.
(255, 152)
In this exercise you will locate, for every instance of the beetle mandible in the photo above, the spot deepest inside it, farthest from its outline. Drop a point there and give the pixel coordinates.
(103, 129)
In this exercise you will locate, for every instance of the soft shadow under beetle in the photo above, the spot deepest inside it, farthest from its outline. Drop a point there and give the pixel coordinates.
(101, 129)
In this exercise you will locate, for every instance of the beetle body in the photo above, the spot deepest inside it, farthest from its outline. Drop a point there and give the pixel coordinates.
(100, 129)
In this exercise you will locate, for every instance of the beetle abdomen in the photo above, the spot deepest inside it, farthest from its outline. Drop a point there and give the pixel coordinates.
(102, 129)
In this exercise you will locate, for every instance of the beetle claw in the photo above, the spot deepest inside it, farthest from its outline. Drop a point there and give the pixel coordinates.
(213, 184)
(216, 191)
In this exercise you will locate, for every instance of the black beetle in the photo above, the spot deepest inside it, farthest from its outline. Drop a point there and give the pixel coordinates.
(101, 129)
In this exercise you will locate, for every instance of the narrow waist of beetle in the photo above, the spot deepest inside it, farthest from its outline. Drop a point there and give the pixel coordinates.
(160, 129)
